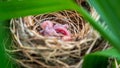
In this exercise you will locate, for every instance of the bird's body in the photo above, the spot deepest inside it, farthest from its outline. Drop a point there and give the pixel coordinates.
(57, 30)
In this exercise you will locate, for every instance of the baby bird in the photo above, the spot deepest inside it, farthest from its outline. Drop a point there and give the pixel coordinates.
(56, 30)
(48, 29)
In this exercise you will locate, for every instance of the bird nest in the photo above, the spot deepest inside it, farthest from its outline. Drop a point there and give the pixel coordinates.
(36, 46)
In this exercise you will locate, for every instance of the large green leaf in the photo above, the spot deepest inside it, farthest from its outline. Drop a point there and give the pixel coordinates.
(111, 32)
(17, 8)
(95, 61)
(100, 59)
(110, 13)
(112, 52)
(5, 41)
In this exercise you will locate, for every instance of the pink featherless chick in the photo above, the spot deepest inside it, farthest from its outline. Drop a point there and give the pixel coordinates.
(55, 30)
(48, 29)
(63, 30)
(45, 24)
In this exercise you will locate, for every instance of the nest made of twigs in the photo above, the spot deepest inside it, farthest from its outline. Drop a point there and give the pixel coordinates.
(40, 51)
(34, 50)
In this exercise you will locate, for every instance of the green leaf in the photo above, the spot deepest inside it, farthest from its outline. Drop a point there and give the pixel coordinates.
(110, 53)
(110, 13)
(5, 40)
(108, 33)
(17, 8)
(95, 61)
(100, 59)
